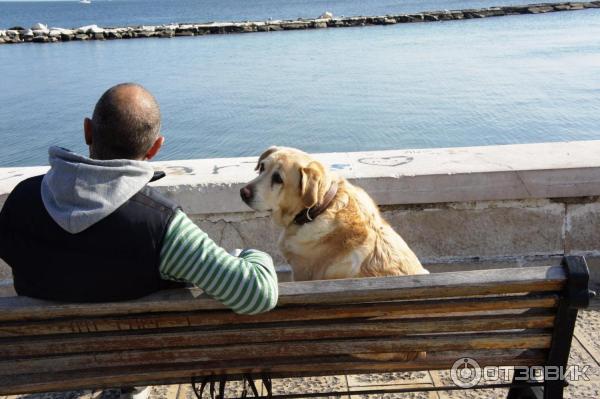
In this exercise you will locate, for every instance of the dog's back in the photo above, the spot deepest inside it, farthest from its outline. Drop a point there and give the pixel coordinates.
(389, 254)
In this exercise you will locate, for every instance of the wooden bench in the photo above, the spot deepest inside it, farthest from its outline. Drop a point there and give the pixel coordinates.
(503, 317)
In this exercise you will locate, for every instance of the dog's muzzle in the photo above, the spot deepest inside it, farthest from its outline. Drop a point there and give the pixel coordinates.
(246, 194)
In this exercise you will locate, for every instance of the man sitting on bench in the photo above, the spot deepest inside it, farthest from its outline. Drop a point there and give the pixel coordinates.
(91, 230)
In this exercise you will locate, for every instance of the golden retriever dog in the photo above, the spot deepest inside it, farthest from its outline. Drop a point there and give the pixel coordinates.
(331, 229)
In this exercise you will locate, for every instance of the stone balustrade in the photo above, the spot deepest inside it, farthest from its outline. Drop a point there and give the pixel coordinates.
(458, 208)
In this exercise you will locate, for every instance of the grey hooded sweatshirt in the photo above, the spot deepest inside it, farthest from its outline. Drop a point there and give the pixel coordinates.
(79, 191)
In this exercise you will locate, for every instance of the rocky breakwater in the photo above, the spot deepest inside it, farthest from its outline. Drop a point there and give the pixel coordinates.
(40, 33)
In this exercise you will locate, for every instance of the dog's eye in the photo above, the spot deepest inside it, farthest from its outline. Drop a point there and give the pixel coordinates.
(261, 168)
(277, 178)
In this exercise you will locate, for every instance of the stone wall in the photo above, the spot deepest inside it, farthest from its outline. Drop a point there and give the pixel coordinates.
(458, 208)
(456, 236)
(40, 33)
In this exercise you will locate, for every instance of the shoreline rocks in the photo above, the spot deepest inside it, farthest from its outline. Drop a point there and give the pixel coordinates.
(40, 33)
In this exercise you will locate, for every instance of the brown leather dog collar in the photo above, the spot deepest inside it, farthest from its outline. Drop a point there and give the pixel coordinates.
(309, 214)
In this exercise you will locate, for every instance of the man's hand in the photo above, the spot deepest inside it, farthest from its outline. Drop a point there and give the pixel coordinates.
(236, 252)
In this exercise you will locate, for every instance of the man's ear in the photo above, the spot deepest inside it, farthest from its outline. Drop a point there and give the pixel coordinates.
(160, 140)
(88, 129)
(311, 179)
(265, 154)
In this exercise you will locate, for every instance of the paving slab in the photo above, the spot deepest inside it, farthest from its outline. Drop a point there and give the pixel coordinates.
(165, 391)
(442, 378)
(587, 331)
(411, 395)
(366, 380)
(583, 389)
(336, 383)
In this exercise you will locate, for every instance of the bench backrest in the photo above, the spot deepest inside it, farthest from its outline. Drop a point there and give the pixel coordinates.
(498, 317)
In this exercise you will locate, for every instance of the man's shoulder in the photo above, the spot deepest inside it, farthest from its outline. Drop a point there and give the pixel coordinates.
(25, 195)
(152, 198)
(28, 187)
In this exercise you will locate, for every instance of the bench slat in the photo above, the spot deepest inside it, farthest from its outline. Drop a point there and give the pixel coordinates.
(290, 314)
(439, 285)
(534, 340)
(157, 375)
(277, 333)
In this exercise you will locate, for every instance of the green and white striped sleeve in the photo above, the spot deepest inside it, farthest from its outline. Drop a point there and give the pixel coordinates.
(247, 284)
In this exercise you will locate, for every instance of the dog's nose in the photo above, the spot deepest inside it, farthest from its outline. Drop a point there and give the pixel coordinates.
(246, 193)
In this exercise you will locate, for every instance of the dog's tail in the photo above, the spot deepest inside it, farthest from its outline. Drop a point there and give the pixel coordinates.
(392, 357)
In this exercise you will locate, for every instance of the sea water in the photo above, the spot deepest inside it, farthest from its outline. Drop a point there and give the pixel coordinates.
(69, 14)
(515, 79)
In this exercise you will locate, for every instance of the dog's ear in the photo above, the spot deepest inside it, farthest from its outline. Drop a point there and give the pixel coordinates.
(311, 179)
(265, 154)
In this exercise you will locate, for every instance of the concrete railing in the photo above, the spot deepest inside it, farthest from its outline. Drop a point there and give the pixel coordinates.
(458, 208)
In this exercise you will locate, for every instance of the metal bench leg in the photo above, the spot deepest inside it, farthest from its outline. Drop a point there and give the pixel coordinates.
(222, 385)
(561, 346)
(576, 296)
(523, 391)
(248, 378)
(268, 385)
(554, 389)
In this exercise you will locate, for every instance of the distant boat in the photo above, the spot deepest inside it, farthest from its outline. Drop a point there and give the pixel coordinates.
(85, 1)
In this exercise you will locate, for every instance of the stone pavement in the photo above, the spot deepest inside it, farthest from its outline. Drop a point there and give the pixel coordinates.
(584, 351)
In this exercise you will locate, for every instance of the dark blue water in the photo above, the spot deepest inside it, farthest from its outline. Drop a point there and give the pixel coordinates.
(68, 14)
(517, 79)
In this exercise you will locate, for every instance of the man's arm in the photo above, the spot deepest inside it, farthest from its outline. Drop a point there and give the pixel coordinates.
(4, 233)
(247, 284)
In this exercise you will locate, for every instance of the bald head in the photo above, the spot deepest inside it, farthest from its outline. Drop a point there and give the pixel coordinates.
(125, 124)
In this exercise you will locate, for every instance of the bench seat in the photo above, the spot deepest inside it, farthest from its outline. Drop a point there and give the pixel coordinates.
(503, 317)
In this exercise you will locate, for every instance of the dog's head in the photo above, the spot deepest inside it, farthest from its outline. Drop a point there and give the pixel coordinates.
(288, 182)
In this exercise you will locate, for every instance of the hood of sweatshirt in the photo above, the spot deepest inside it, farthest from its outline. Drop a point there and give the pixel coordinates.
(79, 191)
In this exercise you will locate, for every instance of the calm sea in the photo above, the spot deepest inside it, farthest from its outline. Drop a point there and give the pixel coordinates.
(490, 81)
(68, 14)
